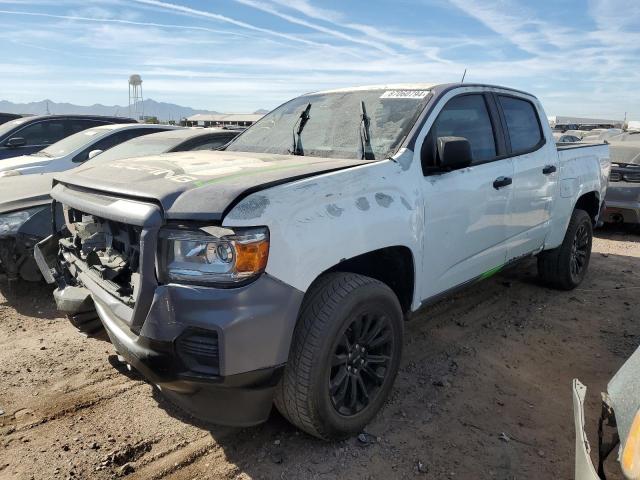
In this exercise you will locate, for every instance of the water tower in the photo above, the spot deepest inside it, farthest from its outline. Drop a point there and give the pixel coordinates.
(136, 105)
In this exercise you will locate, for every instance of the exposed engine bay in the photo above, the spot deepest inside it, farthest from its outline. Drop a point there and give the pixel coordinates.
(107, 251)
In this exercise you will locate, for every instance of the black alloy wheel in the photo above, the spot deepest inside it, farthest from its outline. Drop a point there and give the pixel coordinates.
(360, 363)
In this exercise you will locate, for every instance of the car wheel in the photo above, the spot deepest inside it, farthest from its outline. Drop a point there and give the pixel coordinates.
(566, 266)
(344, 356)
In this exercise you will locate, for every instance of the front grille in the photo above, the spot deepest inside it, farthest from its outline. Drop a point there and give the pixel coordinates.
(107, 251)
(198, 350)
(615, 177)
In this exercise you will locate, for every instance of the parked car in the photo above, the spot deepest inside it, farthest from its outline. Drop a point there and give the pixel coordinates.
(25, 219)
(623, 195)
(25, 204)
(27, 135)
(280, 269)
(564, 138)
(599, 135)
(5, 117)
(182, 140)
(618, 426)
(72, 151)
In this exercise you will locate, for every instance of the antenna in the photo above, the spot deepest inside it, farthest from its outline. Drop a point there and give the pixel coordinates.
(136, 105)
(48, 113)
(463, 75)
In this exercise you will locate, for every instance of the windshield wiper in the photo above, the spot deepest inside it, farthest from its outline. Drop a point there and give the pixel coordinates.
(297, 131)
(365, 136)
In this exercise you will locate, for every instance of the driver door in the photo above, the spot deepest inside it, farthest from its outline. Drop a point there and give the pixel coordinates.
(465, 209)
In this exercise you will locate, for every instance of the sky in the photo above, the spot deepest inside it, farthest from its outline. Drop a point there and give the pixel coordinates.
(578, 57)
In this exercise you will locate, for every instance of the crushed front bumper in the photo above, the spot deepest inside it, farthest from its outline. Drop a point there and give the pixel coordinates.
(217, 353)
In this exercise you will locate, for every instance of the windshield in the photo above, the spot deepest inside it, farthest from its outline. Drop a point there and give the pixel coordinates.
(74, 142)
(334, 126)
(140, 147)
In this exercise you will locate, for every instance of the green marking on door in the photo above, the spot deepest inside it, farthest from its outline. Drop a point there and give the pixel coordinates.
(490, 273)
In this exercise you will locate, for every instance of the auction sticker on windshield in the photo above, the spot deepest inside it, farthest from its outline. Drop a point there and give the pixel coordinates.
(417, 94)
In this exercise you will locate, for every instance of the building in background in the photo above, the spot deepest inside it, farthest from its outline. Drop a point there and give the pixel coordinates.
(221, 120)
(584, 122)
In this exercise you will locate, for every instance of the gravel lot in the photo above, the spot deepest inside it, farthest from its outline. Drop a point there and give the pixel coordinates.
(483, 391)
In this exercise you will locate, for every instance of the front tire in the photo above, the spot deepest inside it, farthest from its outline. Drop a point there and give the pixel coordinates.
(565, 267)
(344, 356)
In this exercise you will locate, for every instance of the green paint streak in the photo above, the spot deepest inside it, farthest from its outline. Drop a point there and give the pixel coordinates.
(491, 273)
(253, 171)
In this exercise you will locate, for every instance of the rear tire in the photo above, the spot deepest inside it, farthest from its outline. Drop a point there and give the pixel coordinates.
(344, 356)
(565, 267)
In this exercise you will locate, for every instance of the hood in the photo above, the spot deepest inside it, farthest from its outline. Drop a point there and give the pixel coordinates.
(24, 162)
(625, 152)
(198, 185)
(20, 193)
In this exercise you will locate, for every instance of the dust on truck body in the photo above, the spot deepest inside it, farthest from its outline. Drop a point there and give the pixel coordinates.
(280, 269)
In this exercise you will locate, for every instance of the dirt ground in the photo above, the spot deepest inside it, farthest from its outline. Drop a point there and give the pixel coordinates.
(483, 391)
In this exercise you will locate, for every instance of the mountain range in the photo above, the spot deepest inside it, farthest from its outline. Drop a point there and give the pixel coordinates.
(161, 110)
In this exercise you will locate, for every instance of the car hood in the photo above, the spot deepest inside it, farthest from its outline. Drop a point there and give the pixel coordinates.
(198, 185)
(625, 152)
(24, 163)
(20, 193)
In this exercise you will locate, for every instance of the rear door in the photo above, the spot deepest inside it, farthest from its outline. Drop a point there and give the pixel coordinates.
(465, 209)
(535, 175)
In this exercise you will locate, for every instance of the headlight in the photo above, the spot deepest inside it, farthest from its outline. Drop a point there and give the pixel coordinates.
(213, 255)
(11, 222)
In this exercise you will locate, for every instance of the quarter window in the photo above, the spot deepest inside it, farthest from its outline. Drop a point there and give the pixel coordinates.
(467, 116)
(522, 124)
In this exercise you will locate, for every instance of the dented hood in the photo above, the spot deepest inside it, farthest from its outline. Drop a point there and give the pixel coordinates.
(197, 185)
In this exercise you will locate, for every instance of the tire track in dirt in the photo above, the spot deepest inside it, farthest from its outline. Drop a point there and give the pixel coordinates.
(98, 393)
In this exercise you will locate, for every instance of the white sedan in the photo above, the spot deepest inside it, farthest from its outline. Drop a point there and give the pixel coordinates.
(72, 151)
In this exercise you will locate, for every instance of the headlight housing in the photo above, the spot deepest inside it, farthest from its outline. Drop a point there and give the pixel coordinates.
(11, 222)
(213, 256)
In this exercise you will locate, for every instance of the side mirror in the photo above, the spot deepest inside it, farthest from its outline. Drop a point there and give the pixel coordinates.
(93, 153)
(454, 152)
(15, 142)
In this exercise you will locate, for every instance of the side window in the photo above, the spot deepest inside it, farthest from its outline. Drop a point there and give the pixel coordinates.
(78, 125)
(467, 116)
(522, 124)
(113, 140)
(43, 133)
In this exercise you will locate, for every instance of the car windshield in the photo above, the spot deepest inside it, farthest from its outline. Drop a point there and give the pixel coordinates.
(72, 143)
(140, 147)
(335, 126)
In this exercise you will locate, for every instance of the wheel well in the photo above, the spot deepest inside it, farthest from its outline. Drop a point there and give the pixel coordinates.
(392, 265)
(590, 203)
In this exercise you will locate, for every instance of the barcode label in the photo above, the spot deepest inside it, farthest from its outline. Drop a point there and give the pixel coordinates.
(417, 94)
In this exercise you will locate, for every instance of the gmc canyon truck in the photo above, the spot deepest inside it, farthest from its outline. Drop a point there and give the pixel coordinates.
(279, 270)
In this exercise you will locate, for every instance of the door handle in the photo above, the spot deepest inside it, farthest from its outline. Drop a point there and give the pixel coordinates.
(549, 169)
(500, 182)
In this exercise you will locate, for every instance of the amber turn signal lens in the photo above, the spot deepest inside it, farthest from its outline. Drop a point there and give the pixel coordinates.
(630, 459)
(252, 257)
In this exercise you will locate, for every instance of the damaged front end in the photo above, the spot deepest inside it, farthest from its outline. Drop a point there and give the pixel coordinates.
(90, 248)
(619, 424)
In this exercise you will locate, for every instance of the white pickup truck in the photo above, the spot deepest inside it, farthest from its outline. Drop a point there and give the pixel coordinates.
(281, 268)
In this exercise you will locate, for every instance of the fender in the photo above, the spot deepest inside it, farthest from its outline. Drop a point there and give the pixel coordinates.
(317, 222)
